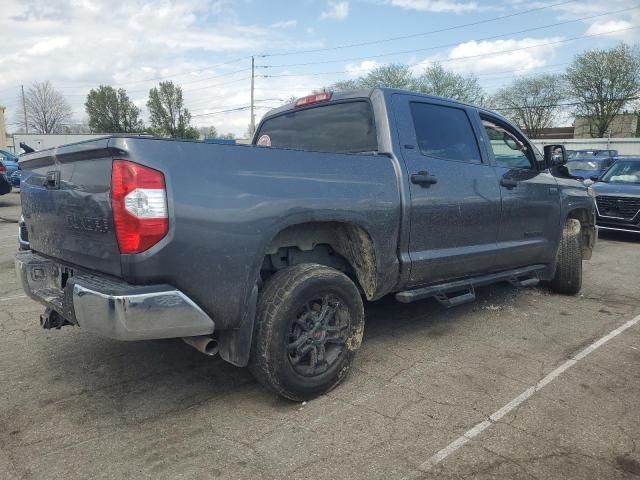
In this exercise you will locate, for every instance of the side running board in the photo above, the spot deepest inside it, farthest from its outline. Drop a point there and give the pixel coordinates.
(463, 291)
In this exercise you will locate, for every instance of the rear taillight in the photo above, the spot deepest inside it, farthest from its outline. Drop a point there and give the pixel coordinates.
(3, 169)
(139, 203)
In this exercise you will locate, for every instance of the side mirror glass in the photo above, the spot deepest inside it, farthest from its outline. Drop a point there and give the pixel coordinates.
(555, 155)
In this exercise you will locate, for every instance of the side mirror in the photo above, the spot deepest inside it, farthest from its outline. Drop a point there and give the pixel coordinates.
(594, 179)
(555, 155)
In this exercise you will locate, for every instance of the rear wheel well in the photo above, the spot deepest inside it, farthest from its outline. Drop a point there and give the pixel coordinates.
(343, 246)
(587, 230)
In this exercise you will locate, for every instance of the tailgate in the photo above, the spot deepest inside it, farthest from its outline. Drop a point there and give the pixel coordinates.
(66, 205)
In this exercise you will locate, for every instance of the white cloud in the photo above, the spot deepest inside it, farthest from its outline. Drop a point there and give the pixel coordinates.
(437, 6)
(603, 27)
(47, 45)
(484, 57)
(285, 24)
(364, 67)
(626, 17)
(337, 10)
(132, 45)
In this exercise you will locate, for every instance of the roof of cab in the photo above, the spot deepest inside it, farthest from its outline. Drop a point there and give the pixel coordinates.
(367, 93)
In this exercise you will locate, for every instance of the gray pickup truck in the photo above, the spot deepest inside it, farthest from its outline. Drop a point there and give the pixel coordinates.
(265, 252)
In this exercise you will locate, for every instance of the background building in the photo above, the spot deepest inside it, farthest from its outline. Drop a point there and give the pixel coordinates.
(3, 129)
(624, 125)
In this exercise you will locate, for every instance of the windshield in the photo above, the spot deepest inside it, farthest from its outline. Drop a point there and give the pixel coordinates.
(623, 172)
(7, 156)
(590, 164)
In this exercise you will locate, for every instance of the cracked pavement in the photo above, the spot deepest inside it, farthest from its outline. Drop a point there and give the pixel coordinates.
(77, 406)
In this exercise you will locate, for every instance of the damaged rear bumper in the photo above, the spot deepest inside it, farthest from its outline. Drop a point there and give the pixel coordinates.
(110, 307)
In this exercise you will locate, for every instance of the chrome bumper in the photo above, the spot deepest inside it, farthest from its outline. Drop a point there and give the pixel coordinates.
(109, 307)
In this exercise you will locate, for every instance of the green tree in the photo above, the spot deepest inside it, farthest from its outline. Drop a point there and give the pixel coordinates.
(111, 111)
(167, 113)
(435, 80)
(603, 82)
(531, 102)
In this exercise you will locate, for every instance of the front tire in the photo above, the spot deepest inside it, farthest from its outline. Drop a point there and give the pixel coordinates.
(568, 276)
(309, 326)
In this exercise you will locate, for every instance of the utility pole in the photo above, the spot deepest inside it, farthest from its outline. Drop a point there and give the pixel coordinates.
(252, 126)
(24, 110)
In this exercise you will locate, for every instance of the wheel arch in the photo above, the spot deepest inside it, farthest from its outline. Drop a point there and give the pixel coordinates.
(588, 230)
(351, 241)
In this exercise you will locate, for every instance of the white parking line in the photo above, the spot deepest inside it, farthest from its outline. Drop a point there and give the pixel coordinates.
(482, 426)
(11, 298)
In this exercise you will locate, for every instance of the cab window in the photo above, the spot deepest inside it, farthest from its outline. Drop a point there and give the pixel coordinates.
(445, 132)
(508, 150)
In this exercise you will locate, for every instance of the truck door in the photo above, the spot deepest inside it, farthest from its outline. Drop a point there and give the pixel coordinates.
(530, 217)
(454, 192)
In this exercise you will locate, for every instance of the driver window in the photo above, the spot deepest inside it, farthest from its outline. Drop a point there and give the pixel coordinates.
(508, 150)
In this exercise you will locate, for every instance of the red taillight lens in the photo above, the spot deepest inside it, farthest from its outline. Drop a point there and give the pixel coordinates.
(3, 169)
(139, 203)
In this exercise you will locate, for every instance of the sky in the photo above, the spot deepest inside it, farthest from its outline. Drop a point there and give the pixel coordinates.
(206, 46)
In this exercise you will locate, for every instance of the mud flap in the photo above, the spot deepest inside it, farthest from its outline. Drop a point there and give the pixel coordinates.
(235, 344)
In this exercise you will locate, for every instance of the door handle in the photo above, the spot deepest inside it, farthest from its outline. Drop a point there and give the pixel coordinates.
(53, 180)
(423, 179)
(508, 184)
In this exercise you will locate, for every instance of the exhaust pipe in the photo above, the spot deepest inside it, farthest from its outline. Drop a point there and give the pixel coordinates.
(203, 343)
(52, 319)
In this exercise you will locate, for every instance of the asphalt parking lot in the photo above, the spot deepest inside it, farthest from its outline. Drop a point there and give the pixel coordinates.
(435, 393)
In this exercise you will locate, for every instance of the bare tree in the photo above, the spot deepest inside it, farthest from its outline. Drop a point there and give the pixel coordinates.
(208, 132)
(393, 75)
(531, 102)
(47, 111)
(604, 82)
(435, 80)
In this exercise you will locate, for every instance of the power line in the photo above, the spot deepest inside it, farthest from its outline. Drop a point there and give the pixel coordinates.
(334, 72)
(569, 104)
(501, 52)
(217, 107)
(217, 84)
(447, 45)
(238, 109)
(413, 35)
(166, 77)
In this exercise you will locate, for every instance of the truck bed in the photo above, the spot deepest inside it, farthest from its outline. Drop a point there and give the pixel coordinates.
(225, 203)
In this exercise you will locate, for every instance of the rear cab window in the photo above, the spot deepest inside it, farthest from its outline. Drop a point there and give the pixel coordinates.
(341, 127)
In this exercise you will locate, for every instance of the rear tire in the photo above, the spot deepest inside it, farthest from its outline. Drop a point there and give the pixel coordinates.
(568, 276)
(309, 326)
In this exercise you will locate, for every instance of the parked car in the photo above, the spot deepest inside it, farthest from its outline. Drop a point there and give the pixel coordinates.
(10, 161)
(266, 254)
(5, 185)
(585, 164)
(618, 196)
(14, 178)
